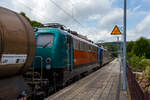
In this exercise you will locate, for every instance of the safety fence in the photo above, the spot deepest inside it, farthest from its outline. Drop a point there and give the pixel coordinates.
(136, 93)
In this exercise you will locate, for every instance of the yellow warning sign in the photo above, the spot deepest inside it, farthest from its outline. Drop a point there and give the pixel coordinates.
(116, 31)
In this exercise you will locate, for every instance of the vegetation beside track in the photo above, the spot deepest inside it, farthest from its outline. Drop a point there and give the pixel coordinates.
(138, 57)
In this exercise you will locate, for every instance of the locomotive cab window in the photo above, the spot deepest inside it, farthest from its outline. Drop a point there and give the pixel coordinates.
(45, 40)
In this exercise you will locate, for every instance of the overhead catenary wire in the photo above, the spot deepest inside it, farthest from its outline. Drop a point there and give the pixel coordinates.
(68, 14)
(65, 12)
(29, 8)
(71, 16)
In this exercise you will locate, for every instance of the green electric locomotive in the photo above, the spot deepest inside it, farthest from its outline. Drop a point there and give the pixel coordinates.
(61, 55)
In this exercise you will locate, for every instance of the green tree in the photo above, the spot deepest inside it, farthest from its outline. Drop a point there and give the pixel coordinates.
(36, 24)
(112, 47)
(23, 14)
(142, 47)
(130, 52)
(32, 22)
(130, 46)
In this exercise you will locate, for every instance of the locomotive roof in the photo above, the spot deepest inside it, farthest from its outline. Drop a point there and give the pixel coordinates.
(48, 29)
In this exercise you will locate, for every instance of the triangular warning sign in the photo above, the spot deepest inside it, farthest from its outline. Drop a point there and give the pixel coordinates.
(116, 31)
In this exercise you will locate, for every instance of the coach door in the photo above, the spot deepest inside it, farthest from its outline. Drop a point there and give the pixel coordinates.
(69, 53)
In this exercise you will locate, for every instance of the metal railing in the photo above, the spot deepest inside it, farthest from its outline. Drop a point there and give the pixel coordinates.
(136, 92)
(41, 65)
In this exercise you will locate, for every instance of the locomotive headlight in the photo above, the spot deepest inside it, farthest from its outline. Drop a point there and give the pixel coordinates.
(48, 66)
(48, 60)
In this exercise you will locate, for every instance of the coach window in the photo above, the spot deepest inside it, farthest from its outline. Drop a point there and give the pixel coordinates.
(75, 44)
(81, 45)
(84, 46)
(93, 49)
(89, 48)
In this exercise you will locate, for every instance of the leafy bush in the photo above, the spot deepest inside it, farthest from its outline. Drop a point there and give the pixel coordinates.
(144, 79)
(138, 57)
(143, 64)
(134, 62)
(129, 55)
(138, 63)
(141, 47)
(130, 46)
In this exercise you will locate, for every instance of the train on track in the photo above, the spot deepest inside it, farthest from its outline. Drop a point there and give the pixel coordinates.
(33, 64)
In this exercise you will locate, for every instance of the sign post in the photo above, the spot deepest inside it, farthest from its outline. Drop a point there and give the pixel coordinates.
(124, 49)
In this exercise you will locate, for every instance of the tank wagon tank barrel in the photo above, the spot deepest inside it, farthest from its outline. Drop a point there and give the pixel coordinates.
(17, 50)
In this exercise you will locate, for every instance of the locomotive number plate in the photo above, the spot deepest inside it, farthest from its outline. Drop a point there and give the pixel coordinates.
(13, 59)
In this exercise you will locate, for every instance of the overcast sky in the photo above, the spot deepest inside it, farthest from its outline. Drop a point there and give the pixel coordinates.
(96, 18)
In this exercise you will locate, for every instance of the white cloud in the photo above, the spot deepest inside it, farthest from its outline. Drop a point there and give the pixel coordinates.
(143, 26)
(136, 8)
(94, 17)
(142, 29)
(135, 12)
(146, 1)
(100, 13)
(46, 11)
(49, 10)
(112, 18)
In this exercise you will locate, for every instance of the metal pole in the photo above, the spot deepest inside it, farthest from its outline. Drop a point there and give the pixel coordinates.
(118, 45)
(124, 49)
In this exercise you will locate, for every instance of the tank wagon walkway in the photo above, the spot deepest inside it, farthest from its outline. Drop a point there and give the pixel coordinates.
(104, 84)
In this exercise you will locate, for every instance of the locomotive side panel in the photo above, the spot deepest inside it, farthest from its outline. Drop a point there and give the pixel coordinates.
(84, 53)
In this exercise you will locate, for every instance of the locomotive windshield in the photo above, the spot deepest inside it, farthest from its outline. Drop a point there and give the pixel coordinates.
(45, 40)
